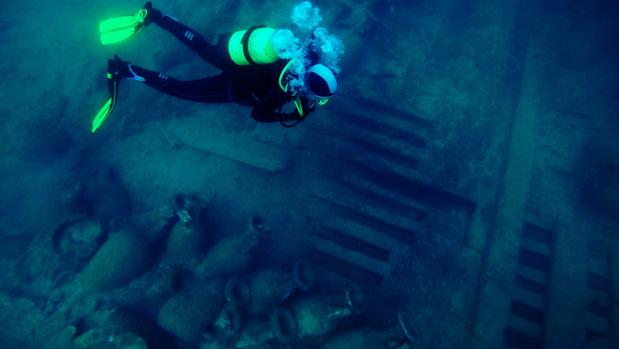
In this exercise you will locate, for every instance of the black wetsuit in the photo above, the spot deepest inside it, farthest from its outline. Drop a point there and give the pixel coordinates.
(256, 86)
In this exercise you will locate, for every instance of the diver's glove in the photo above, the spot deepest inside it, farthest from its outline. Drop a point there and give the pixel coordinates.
(305, 106)
(310, 105)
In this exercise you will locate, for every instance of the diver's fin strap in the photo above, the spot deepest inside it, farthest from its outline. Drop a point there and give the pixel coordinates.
(245, 42)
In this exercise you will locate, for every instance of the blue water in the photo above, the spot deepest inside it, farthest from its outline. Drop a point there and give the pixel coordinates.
(458, 191)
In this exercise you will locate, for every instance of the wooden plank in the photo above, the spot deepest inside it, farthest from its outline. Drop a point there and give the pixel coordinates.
(399, 227)
(353, 257)
(242, 149)
(503, 247)
(568, 286)
(347, 240)
(343, 268)
(536, 246)
(363, 232)
(528, 312)
(530, 298)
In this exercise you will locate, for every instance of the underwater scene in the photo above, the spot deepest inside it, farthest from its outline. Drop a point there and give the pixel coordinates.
(369, 174)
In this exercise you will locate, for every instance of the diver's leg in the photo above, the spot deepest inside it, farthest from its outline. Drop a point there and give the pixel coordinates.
(216, 55)
(210, 90)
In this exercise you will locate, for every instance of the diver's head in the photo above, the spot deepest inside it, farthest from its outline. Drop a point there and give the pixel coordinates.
(321, 81)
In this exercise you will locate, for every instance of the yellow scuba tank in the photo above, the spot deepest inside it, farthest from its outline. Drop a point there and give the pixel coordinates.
(252, 46)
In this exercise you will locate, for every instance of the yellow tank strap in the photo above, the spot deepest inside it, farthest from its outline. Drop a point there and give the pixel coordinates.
(282, 74)
(245, 41)
(323, 101)
(299, 106)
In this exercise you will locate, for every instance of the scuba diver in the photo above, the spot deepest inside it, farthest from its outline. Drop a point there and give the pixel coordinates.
(261, 67)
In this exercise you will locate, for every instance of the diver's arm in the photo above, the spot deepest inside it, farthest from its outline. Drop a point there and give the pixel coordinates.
(267, 111)
(262, 114)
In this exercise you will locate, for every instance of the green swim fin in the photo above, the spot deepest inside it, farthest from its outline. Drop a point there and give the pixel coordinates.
(109, 105)
(115, 30)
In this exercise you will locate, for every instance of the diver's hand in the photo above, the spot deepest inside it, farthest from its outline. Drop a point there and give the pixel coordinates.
(307, 105)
